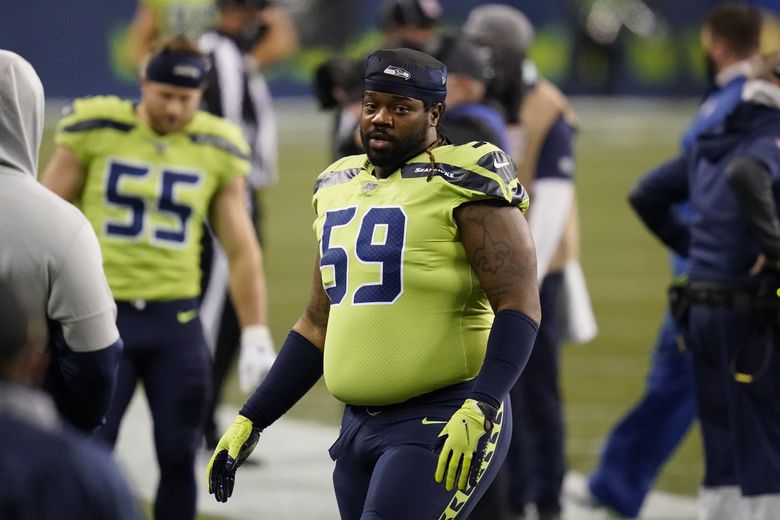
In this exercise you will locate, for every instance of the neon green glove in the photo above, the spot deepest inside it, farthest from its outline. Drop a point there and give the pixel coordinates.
(464, 431)
(232, 450)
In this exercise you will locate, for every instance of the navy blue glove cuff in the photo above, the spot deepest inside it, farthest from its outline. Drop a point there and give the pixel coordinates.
(297, 368)
(509, 346)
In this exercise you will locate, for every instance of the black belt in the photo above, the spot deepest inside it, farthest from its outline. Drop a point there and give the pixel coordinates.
(761, 301)
(715, 294)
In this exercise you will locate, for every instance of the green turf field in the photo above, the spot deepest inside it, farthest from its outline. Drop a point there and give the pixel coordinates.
(626, 269)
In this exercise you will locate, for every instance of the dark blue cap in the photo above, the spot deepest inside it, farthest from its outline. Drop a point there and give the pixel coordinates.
(406, 72)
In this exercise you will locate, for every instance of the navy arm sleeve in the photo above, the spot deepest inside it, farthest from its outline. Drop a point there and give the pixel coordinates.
(752, 184)
(83, 383)
(509, 346)
(654, 198)
(296, 369)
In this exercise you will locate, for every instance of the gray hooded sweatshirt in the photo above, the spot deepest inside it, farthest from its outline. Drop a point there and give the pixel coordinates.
(50, 256)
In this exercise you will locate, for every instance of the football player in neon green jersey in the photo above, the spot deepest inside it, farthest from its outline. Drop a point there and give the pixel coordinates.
(423, 311)
(146, 175)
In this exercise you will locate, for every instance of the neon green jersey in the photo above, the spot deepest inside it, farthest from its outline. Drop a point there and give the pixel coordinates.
(147, 195)
(407, 314)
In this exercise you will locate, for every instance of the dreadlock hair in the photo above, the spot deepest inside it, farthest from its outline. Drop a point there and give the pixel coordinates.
(441, 136)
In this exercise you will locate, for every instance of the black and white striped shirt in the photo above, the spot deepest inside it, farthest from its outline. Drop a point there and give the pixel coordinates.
(238, 92)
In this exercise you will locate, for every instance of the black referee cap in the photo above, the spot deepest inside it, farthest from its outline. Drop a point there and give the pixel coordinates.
(406, 72)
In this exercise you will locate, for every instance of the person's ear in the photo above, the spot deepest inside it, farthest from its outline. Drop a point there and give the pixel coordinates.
(436, 111)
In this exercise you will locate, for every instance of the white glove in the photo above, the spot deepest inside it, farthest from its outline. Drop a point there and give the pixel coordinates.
(257, 356)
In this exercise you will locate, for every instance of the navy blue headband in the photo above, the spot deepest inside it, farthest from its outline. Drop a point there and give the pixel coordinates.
(177, 68)
(406, 72)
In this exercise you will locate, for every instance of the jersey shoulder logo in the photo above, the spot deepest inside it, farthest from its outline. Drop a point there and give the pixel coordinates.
(430, 421)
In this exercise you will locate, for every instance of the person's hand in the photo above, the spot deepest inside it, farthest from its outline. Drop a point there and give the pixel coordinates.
(232, 450)
(763, 263)
(464, 446)
(257, 356)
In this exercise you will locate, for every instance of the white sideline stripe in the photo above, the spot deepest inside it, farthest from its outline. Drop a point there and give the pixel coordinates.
(293, 478)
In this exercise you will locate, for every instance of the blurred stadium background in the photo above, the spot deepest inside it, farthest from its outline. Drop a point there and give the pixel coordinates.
(635, 71)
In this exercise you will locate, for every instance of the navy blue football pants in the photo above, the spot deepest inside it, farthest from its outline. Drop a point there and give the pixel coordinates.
(165, 350)
(649, 433)
(740, 422)
(386, 459)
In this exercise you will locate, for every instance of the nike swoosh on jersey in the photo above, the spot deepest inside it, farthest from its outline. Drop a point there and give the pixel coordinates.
(186, 316)
(428, 421)
(500, 164)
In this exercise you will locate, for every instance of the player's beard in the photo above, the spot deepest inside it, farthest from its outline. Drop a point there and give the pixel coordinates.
(398, 152)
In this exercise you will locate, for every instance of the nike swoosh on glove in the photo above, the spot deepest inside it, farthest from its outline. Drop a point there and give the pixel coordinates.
(232, 450)
(257, 356)
(462, 446)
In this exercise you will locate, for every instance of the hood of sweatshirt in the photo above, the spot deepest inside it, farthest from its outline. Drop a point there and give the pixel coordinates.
(758, 111)
(21, 115)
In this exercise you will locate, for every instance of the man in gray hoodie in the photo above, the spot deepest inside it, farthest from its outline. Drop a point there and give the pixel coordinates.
(50, 256)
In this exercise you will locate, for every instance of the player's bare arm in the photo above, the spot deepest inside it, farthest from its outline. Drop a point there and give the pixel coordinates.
(313, 323)
(233, 226)
(64, 174)
(498, 243)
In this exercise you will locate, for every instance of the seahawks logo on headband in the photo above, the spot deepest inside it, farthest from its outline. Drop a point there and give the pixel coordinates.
(398, 72)
(187, 71)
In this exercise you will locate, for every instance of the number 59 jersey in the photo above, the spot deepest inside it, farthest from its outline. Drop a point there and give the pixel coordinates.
(147, 195)
(407, 313)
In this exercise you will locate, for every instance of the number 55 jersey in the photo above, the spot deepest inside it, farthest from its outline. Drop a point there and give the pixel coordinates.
(407, 313)
(147, 195)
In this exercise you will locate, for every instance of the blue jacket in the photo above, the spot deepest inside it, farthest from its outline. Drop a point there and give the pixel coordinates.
(646, 194)
(713, 110)
(718, 239)
(721, 245)
(718, 103)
